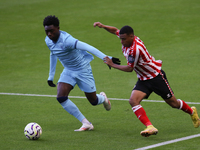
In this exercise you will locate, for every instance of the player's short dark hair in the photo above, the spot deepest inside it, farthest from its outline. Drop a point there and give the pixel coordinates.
(51, 20)
(126, 29)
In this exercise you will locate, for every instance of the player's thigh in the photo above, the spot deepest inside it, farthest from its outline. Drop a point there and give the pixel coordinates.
(85, 81)
(136, 97)
(141, 89)
(63, 89)
(161, 86)
(66, 83)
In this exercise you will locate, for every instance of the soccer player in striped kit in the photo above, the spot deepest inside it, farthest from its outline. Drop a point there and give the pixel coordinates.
(151, 78)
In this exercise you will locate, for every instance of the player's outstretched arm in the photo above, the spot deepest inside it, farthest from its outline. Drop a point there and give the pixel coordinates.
(110, 62)
(86, 47)
(110, 29)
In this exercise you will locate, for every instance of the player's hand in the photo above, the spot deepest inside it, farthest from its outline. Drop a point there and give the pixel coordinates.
(116, 60)
(112, 61)
(51, 84)
(99, 24)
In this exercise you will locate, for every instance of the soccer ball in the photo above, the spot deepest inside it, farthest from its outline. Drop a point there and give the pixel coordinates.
(33, 131)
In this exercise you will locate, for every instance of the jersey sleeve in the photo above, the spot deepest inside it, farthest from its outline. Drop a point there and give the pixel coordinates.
(86, 47)
(70, 42)
(52, 69)
(117, 33)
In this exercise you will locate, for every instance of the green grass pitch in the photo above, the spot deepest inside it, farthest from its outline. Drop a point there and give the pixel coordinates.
(170, 31)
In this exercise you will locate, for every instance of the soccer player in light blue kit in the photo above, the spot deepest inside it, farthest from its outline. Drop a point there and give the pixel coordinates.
(73, 55)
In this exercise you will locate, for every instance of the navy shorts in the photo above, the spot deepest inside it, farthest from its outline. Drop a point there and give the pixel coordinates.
(159, 85)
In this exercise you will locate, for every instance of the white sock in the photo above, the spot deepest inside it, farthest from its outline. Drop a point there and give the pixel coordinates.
(101, 99)
(85, 121)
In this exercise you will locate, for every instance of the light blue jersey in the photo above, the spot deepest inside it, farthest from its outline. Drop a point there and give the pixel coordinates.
(73, 55)
(65, 50)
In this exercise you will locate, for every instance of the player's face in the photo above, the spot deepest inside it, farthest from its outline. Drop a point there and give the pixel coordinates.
(52, 32)
(126, 40)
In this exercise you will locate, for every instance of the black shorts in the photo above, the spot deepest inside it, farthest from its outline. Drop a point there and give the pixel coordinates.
(159, 85)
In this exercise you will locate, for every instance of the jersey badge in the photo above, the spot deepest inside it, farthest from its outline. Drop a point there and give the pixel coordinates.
(131, 59)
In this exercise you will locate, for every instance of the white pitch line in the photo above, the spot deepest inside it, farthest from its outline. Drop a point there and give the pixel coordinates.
(121, 99)
(142, 148)
(169, 142)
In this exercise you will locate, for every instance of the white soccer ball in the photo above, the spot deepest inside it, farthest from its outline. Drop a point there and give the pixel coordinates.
(33, 131)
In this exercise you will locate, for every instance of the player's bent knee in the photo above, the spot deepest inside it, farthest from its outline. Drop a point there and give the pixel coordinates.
(62, 99)
(94, 103)
(132, 102)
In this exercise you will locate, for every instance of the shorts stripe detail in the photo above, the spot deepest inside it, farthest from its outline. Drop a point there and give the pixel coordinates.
(167, 84)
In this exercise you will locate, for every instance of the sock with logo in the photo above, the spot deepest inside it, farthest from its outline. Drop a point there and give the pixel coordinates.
(141, 115)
